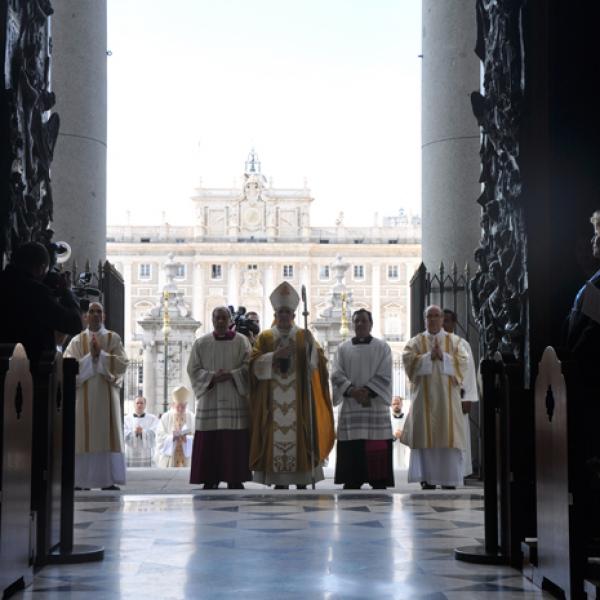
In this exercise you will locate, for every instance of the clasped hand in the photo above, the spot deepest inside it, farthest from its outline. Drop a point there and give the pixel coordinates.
(95, 348)
(221, 375)
(283, 352)
(361, 395)
(436, 353)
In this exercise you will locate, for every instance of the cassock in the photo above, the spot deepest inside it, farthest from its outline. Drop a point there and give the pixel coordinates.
(434, 428)
(470, 394)
(174, 453)
(365, 437)
(99, 456)
(222, 439)
(280, 449)
(140, 447)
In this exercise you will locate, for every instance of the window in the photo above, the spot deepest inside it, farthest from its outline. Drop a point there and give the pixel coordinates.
(359, 272)
(216, 272)
(145, 271)
(324, 272)
(180, 272)
(252, 267)
(288, 271)
(393, 326)
(392, 271)
(392, 323)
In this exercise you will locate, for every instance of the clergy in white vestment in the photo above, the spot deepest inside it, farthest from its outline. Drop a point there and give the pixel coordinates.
(435, 362)
(280, 451)
(175, 432)
(401, 452)
(469, 392)
(218, 370)
(99, 455)
(140, 435)
(362, 386)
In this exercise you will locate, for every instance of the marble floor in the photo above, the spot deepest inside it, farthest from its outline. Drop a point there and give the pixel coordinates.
(280, 544)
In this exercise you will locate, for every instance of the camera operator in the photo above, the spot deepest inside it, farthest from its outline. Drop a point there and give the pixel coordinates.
(246, 323)
(34, 304)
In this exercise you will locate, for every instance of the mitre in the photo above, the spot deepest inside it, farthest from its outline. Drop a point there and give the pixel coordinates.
(180, 394)
(284, 296)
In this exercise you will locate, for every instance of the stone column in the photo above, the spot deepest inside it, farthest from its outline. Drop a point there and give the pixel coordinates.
(149, 389)
(376, 299)
(198, 294)
(233, 285)
(79, 167)
(129, 323)
(267, 316)
(450, 136)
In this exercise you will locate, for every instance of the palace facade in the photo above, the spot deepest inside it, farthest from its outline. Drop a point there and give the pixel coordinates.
(241, 243)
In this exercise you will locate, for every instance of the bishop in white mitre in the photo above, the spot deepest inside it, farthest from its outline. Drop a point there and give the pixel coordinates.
(435, 362)
(175, 432)
(99, 452)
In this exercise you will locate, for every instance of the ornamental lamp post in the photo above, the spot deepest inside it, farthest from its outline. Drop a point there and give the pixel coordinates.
(166, 329)
(344, 328)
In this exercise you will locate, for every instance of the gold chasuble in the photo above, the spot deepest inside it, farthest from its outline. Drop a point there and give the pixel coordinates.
(435, 419)
(280, 430)
(99, 456)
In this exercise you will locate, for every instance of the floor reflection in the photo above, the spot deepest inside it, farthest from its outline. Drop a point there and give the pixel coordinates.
(281, 545)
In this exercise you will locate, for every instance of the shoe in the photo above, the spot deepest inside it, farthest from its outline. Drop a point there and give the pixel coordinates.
(300, 487)
(378, 486)
(235, 486)
(352, 486)
(211, 486)
(282, 487)
(111, 488)
(78, 489)
(448, 487)
(427, 486)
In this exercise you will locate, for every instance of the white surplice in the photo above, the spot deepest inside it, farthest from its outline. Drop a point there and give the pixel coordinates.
(225, 405)
(363, 365)
(471, 394)
(99, 456)
(140, 447)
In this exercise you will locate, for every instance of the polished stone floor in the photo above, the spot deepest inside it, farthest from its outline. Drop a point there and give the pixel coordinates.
(280, 545)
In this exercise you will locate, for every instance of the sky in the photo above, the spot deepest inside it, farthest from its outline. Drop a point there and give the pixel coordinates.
(324, 90)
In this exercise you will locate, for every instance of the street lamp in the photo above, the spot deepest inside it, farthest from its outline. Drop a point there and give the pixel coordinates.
(166, 329)
(344, 329)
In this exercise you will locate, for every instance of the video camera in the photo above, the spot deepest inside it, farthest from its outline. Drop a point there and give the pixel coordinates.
(242, 324)
(86, 291)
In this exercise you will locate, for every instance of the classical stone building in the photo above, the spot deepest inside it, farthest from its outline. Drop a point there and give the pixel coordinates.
(242, 242)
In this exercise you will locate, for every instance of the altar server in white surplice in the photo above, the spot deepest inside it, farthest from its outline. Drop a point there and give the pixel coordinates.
(469, 392)
(140, 435)
(175, 432)
(435, 363)
(218, 370)
(362, 385)
(99, 455)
